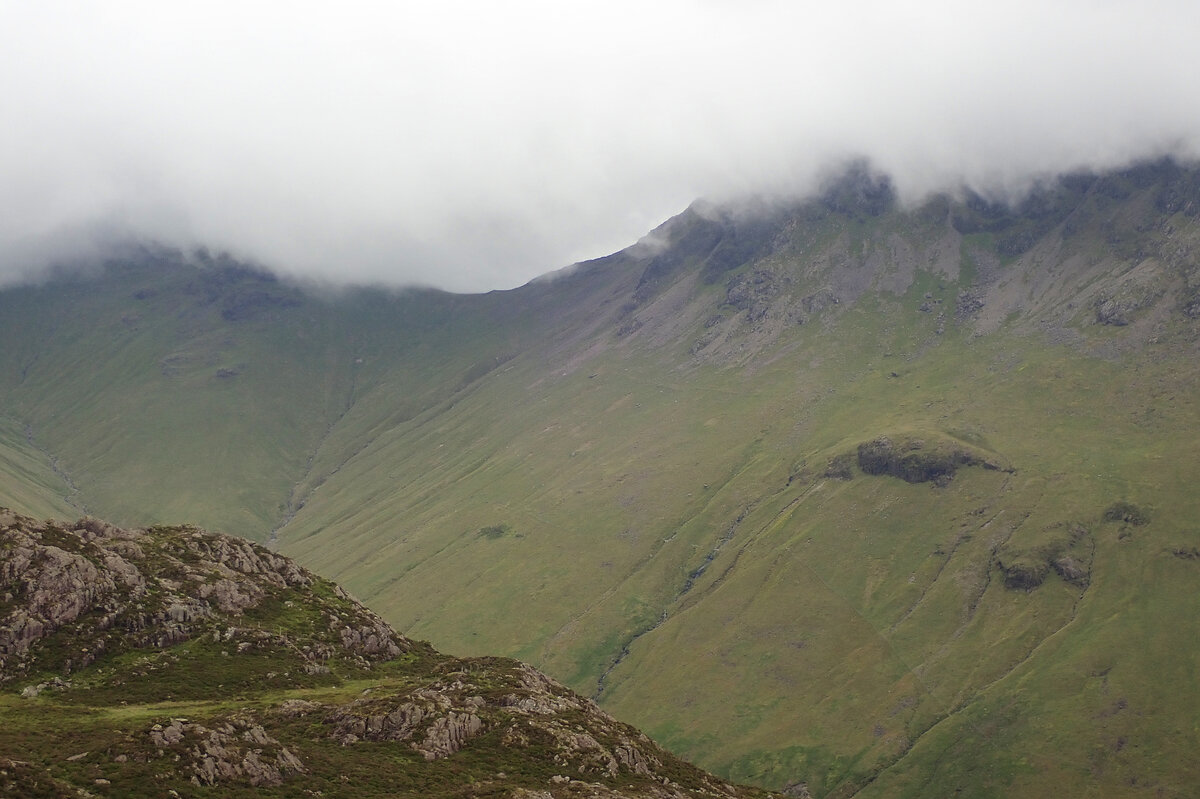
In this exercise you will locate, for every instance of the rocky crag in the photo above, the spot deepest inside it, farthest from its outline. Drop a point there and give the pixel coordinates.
(175, 662)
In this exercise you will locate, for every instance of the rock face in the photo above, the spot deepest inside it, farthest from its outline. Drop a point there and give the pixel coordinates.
(239, 751)
(263, 652)
(753, 292)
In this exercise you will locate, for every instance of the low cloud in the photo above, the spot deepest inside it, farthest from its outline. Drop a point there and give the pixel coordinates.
(475, 145)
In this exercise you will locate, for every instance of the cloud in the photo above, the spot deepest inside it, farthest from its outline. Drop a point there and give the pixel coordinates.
(475, 145)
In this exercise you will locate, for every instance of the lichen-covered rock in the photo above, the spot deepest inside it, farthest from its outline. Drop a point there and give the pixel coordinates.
(372, 638)
(439, 719)
(447, 734)
(51, 587)
(237, 751)
(221, 623)
(104, 589)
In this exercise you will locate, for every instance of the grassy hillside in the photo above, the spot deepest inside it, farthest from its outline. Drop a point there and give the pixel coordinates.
(172, 662)
(31, 480)
(881, 501)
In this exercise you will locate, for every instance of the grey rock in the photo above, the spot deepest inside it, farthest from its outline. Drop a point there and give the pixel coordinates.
(448, 734)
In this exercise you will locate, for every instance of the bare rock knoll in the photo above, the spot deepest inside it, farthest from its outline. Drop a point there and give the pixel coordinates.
(171, 661)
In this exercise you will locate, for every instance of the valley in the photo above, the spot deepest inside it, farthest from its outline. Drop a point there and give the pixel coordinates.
(835, 495)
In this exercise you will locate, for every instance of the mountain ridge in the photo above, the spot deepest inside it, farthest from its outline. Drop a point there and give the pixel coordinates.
(659, 476)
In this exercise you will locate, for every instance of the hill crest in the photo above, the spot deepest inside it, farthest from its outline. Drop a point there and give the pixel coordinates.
(135, 627)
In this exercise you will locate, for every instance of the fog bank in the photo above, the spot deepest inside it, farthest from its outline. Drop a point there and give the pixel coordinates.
(474, 146)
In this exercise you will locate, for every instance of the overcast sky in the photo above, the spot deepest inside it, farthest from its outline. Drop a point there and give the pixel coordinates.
(475, 145)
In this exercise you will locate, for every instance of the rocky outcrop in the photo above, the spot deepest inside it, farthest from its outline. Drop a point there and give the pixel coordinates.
(818, 301)
(1126, 513)
(753, 292)
(138, 617)
(1062, 549)
(369, 637)
(103, 590)
(448, 734)
(46, 586)
(238, 751)
(968, 303)
(523, 706)
(919, 460)
(841, 467)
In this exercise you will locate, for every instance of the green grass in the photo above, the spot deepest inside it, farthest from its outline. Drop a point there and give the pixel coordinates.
(124, 724)
(506, 475)
(611, 537)
(30, 481)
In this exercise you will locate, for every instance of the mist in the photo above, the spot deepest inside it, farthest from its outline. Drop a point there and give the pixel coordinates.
(473, 146)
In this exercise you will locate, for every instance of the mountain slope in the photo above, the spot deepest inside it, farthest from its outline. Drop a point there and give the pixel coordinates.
(172, 661)
(32, 479)
(834, 492)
